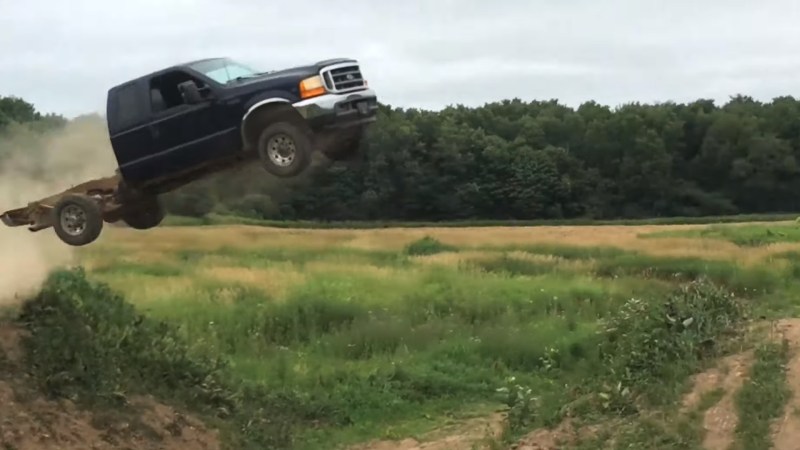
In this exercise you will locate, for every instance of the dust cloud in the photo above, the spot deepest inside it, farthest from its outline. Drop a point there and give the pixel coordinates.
(34, 165)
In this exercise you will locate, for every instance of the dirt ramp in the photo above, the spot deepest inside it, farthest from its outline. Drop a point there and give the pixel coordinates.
(38, 424)
(28, 421)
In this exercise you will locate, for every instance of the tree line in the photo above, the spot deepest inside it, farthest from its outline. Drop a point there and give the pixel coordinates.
(513, 159)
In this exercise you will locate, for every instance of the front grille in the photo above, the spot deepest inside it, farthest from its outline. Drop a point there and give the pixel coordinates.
(343, 78)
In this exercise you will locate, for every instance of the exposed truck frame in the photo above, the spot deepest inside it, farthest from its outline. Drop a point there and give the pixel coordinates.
(44, 213)
(184, 122)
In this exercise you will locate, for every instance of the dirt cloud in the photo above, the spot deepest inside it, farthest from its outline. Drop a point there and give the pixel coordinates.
(33, 165)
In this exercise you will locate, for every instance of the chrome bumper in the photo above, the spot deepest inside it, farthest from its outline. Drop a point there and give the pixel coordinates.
(360, 103)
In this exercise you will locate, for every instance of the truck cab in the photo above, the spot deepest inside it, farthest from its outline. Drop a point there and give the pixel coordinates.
(178, 124)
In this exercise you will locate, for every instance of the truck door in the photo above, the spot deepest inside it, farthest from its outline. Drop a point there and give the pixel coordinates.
(127, 112)
(183, 135)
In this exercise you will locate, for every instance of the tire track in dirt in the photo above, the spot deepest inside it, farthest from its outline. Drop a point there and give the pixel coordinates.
(721, 419)
(786, 430)
(466, 436)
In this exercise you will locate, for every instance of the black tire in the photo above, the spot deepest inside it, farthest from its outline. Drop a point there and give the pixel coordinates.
(77, 219)
(284, 149)
(144, 215)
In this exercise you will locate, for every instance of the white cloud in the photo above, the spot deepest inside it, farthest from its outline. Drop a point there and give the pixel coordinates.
(63, 56)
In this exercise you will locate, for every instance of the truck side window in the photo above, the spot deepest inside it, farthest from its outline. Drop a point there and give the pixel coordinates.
(164, 92)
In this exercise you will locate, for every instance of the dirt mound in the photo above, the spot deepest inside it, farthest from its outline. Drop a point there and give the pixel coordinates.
(553, 439)
(29, 421)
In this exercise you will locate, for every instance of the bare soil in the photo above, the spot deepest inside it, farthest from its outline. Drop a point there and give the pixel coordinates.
(786, 430)
(553, 439)
(472, 434)
(28, 421)
(720, 420)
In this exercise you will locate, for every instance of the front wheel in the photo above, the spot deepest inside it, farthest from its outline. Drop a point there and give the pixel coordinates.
(77, 219)
(284, 149)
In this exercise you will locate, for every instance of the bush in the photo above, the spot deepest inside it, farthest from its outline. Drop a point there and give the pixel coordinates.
(427, 246)
(87, 343)
(649, 342)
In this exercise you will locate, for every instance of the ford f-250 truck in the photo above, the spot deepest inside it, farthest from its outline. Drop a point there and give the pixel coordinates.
(171, 127)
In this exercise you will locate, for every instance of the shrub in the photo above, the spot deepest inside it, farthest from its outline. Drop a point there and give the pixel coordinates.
(650, 342)
(427, 246)
(87, 342)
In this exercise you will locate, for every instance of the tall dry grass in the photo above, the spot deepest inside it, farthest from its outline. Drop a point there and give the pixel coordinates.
(173, 239)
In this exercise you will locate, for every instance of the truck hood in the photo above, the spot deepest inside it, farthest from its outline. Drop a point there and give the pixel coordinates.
(293, 73)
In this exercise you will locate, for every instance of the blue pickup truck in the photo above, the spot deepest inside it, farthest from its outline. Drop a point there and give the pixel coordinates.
(184, 122)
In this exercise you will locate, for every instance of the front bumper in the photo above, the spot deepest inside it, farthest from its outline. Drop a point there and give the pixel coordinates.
(332, 111)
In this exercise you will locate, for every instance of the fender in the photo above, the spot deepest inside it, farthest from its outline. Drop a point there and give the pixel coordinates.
(256, 103)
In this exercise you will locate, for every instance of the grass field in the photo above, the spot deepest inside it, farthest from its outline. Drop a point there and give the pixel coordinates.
(390, 333)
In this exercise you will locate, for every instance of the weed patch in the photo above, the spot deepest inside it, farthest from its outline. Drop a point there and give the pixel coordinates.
(649, 342)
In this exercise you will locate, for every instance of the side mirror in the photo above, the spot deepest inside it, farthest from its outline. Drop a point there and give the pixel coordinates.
(191, 93)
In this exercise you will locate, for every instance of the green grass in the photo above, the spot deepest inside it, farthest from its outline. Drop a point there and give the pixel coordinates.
(343, 357)
(762, 398)
(742, 235)
(614, 263)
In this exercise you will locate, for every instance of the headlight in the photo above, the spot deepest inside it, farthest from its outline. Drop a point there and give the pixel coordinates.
(311, 87)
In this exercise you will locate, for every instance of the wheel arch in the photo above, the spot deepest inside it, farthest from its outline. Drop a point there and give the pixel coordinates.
(262, 112)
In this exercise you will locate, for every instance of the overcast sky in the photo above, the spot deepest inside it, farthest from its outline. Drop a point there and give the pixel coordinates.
(64, 55)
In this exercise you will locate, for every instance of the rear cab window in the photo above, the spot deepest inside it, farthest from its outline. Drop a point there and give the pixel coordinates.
(127, 108)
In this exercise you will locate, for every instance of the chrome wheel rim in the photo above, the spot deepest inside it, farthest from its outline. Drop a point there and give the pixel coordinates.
(281, 150)
(73, 220)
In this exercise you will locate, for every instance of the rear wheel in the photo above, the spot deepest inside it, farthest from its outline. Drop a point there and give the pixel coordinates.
(143, 215)
(284, 149)
(77, 219)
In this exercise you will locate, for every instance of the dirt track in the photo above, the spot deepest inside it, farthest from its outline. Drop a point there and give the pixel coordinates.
(786, 431)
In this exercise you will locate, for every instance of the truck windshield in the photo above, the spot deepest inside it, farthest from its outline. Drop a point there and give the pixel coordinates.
(223, 70)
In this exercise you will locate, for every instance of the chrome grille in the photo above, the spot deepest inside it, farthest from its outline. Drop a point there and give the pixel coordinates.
(343, 77)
